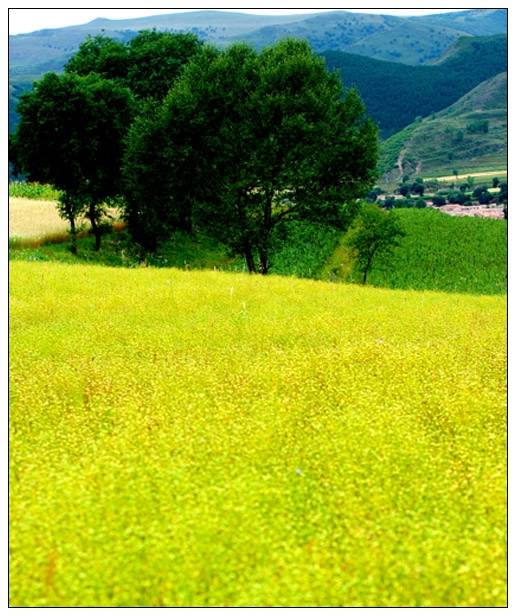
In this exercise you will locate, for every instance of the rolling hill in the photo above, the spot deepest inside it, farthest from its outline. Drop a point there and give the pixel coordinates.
(477, 22)
(469, 135)
(415, 40)
(207, 439)
(396, 94)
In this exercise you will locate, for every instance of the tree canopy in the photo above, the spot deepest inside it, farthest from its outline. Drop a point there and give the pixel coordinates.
(71, 135)
(244, 140)
(148, 64)
(374, 231)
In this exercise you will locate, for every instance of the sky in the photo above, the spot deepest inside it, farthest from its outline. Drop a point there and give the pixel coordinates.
(30, 19)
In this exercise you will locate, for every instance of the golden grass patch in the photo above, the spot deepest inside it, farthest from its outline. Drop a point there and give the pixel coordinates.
(29, 218)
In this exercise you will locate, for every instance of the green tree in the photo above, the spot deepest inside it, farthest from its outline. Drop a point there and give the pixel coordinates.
(252, 139)
(101, 55)
(373, 232)
(496, 182)
(457, 196)
(156, 59)
(439, 200)
(404, 189)
(70, 135)
(503, 194)
(418, 187)
(148, 64)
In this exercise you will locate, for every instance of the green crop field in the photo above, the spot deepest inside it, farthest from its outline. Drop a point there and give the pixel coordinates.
(206, 438)
(439, 252)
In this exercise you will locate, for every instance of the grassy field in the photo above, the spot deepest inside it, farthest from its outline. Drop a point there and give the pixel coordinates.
(205, 438)
(35, 222)
(439, 252)
(484, 177)
(302, 251)
(35, 219)
(33, 190)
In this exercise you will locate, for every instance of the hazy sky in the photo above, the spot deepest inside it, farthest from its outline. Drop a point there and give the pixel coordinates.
(27, 20)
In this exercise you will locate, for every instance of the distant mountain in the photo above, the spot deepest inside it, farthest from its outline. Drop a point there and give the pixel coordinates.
(38, 52)
(398, 40)
(469, 135)
(408, 40)
(396, 94)
(477, 22)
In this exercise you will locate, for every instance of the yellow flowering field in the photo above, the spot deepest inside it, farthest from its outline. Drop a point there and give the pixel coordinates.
(201, 438)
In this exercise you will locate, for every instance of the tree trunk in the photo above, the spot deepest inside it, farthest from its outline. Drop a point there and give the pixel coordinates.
(73, 234)
(249, 259)
(264, 261)
(267, 228)
(367, 267)
(92, 215)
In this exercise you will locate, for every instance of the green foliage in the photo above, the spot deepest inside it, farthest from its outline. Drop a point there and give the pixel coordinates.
(301, 248)
(439, 200)
(458, 196)
(148, 64)
(479, 126)
(71, 135)
(503, 194)
(244, 141)
(373, 232)
(102, 55)
(482, 194)
(33, 190)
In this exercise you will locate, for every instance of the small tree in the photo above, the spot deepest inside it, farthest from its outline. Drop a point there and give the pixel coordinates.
(388, 203)
(503, 194)
(457, 196)
(496, 182)
(418, 188)
(373, 232)
(438, 200)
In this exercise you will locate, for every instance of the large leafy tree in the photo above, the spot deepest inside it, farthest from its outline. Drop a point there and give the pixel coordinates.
(247, 140)
(71, 134)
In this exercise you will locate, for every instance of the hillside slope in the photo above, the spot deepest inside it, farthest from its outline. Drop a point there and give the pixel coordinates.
(477, 22)
(470, 135)
(199, 438)
(395, 94)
